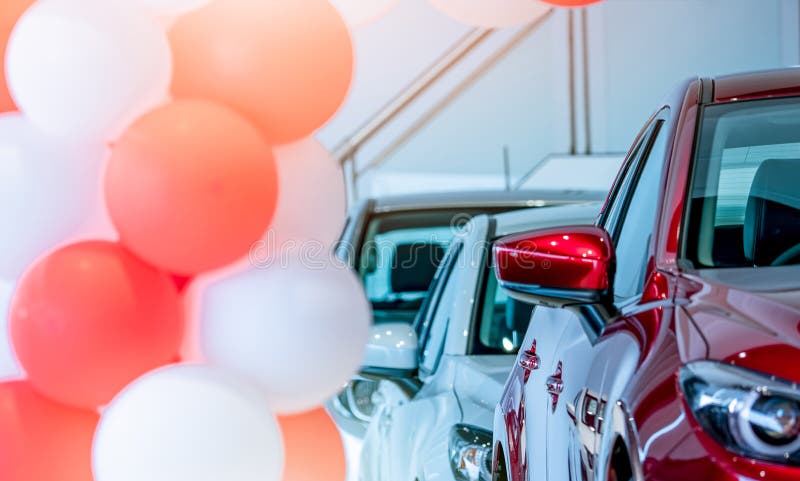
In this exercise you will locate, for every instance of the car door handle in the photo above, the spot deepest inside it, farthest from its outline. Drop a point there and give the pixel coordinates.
(554, 385)
(529, 360)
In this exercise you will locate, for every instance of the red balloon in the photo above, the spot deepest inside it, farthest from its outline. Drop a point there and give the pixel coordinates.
(571, 3)
(314, 450)
(284, 64)
(191, 186)
(181, 282)
(10, 11)
(89, 318)
(41, 440)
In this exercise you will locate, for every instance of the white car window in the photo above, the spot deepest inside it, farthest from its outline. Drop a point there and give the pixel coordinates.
(503, 321)
(440, 315)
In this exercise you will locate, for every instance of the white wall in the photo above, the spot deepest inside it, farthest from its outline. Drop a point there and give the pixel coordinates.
(389, 54)
(638, 49)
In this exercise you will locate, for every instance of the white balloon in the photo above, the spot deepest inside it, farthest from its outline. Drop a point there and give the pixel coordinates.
(493, 14)
(312, 202)
(9, 367)
(49, 191)
(87, 68)
(361, 12)
(299, 330)
(187, 423)
(172, 7)
(167, 21)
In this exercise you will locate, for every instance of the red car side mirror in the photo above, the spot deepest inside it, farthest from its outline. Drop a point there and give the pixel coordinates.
(557, 267)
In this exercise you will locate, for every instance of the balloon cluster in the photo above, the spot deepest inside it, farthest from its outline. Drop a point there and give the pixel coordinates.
(157, 165)
(148, 149)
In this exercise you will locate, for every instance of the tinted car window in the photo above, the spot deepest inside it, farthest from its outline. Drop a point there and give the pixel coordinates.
(744, 204)
(502, 321)
(638, 219)
(397, 259)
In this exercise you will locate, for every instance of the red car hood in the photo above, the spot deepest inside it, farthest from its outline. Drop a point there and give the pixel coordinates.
(750, 317)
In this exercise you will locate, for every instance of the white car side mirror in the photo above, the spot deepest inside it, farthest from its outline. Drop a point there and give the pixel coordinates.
(392, 351)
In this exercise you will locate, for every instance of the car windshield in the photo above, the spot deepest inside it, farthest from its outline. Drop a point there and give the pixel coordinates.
(399, 257)
(744, 205)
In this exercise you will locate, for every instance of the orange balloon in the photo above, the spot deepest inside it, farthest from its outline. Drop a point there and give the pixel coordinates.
(89, 318)
(285, 64)
(41, 440)
(10, 11)
(314, 449)
(191, 186)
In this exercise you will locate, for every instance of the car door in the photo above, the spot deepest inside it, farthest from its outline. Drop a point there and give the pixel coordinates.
(590, 360)
(389, 434)
(522, 405)
(523, 402)
(395, 443)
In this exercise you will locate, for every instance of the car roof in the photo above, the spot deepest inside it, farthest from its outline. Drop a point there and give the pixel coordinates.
(762, 84)
(480, 199)
(529, 219)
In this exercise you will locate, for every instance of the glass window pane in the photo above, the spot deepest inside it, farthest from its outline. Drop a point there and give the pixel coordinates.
(398, 258)
(610, 217)
(635, 235)
(744, 207)
(503, 321)
(440, 310)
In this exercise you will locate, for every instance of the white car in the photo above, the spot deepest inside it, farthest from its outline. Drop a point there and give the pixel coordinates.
(429, 389)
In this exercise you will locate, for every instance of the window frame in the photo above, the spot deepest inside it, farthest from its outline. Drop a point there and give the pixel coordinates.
(684, 260)
(431, 306)
(614, 217)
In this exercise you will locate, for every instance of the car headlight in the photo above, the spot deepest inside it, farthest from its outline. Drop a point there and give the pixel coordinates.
(356, 400)
(360, 396)
(749, 413)
(471, 453)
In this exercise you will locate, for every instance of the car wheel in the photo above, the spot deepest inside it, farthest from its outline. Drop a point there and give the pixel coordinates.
(620, 464)
(614, 476)
(500, 473)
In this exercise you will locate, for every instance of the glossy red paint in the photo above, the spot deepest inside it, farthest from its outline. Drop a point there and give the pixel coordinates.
(668, 230)
(738, 326)
(757, 85)
(683, 315)
(577, 258)
(750, 329)
(734, 325)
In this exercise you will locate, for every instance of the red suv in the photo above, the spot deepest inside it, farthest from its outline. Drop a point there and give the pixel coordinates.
(665, 344)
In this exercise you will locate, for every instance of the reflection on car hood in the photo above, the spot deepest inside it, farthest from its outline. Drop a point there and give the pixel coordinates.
(478, 384)
(751, 317)
(757, 279)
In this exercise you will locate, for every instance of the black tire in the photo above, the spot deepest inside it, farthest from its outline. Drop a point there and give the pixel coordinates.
(620, 464)
(500, 473)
